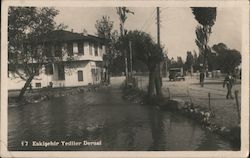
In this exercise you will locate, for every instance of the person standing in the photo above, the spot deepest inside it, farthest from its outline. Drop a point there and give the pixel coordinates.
(229, 81)
(202, 76)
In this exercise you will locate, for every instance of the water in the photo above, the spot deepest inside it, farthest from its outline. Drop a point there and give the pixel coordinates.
(104, 116)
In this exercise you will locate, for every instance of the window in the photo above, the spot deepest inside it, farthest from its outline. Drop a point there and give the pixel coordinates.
(49, 69)
(58, 50)
(61, 73)
(40, 49)
(70, 49)
(90, 49)
(38, 85)
(80, 48)
(75, 47)
(96, 50)
(52, 50)
(80, 75)
(100, 49)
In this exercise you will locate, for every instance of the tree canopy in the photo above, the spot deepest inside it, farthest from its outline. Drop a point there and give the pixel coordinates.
(26, 29)
(144, 48)
(27, 25)
(226, 59)
(189, 60)
(205, 16)
(104, 27)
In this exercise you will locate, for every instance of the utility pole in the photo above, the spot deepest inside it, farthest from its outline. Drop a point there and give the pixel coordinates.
(122, 11)
(158, 41)
(131, 63)
(158, 25)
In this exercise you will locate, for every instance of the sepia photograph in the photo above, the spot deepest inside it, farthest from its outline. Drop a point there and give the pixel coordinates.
(124, 78)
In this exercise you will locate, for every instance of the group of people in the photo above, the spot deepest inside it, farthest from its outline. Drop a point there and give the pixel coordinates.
(228, 82)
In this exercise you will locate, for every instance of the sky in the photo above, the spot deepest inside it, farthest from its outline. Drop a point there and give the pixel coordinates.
(177, 29)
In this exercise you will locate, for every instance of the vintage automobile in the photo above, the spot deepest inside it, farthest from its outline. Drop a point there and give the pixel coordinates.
(176, 74)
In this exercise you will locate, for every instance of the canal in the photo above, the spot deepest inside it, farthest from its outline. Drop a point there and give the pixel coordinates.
(103, 116)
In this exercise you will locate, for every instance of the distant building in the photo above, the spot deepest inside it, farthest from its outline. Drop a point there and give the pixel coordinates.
(84, 67)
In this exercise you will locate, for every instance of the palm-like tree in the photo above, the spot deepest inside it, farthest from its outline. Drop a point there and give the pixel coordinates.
(206, 17)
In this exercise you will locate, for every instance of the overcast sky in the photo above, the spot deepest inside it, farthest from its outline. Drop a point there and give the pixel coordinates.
(177, 25)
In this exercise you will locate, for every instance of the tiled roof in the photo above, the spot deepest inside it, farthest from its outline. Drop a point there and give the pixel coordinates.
(63, 35)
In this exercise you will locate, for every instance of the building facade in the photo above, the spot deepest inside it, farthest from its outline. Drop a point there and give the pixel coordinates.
(79, 62)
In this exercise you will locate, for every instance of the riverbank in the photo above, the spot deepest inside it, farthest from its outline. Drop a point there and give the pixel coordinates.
(202, 116)
(43, 94)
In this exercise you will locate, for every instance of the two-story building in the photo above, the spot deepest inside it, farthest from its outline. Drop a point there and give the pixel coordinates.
(80, 61)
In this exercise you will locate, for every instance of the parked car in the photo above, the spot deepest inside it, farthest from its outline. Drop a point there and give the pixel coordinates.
(176, 74)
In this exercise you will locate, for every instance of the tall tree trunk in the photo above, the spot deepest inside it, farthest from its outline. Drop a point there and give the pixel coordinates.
(26, 85)
(151, 85)
(205, 61)
(154, 81)
(108, 76)
(158, 81)
(105, 75)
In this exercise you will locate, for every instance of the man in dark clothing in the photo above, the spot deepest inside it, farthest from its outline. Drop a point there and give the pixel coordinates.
(229, 81)
(202, 76)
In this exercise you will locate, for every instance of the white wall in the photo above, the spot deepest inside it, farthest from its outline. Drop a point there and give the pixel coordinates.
(71, 77)
(15, 83)
(71, 74)
(87, 55)
(18, 83)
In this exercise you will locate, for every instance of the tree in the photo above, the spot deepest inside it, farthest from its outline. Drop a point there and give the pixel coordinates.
(104, 30)
(150, 53)
(122, 13)
(104, 27)
(226, 59)
(219, 48)
(196, 65)
(200, 41)
(26, 29)
(206, 17)
(180, 62)
(189, 60)
(195, 56)
(212, 61)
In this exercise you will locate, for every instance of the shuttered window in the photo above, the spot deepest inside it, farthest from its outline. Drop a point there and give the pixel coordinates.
(80, 75)
(75, 47)
(61, 72)
(70, 49)
(80, 48)
(90, 49)
(58, 50)
(49, 69)
(96, 50)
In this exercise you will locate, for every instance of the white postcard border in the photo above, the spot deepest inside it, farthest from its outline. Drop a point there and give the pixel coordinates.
(131, 3)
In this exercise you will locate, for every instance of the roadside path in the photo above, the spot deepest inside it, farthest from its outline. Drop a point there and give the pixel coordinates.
(225, 110)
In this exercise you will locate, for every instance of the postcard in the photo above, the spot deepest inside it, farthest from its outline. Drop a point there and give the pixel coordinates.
(124, 78)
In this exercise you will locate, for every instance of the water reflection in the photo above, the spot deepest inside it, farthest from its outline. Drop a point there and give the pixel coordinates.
(105, 116)
(157, 128)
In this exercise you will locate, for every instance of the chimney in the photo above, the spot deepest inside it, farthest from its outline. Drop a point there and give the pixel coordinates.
(84, 32)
